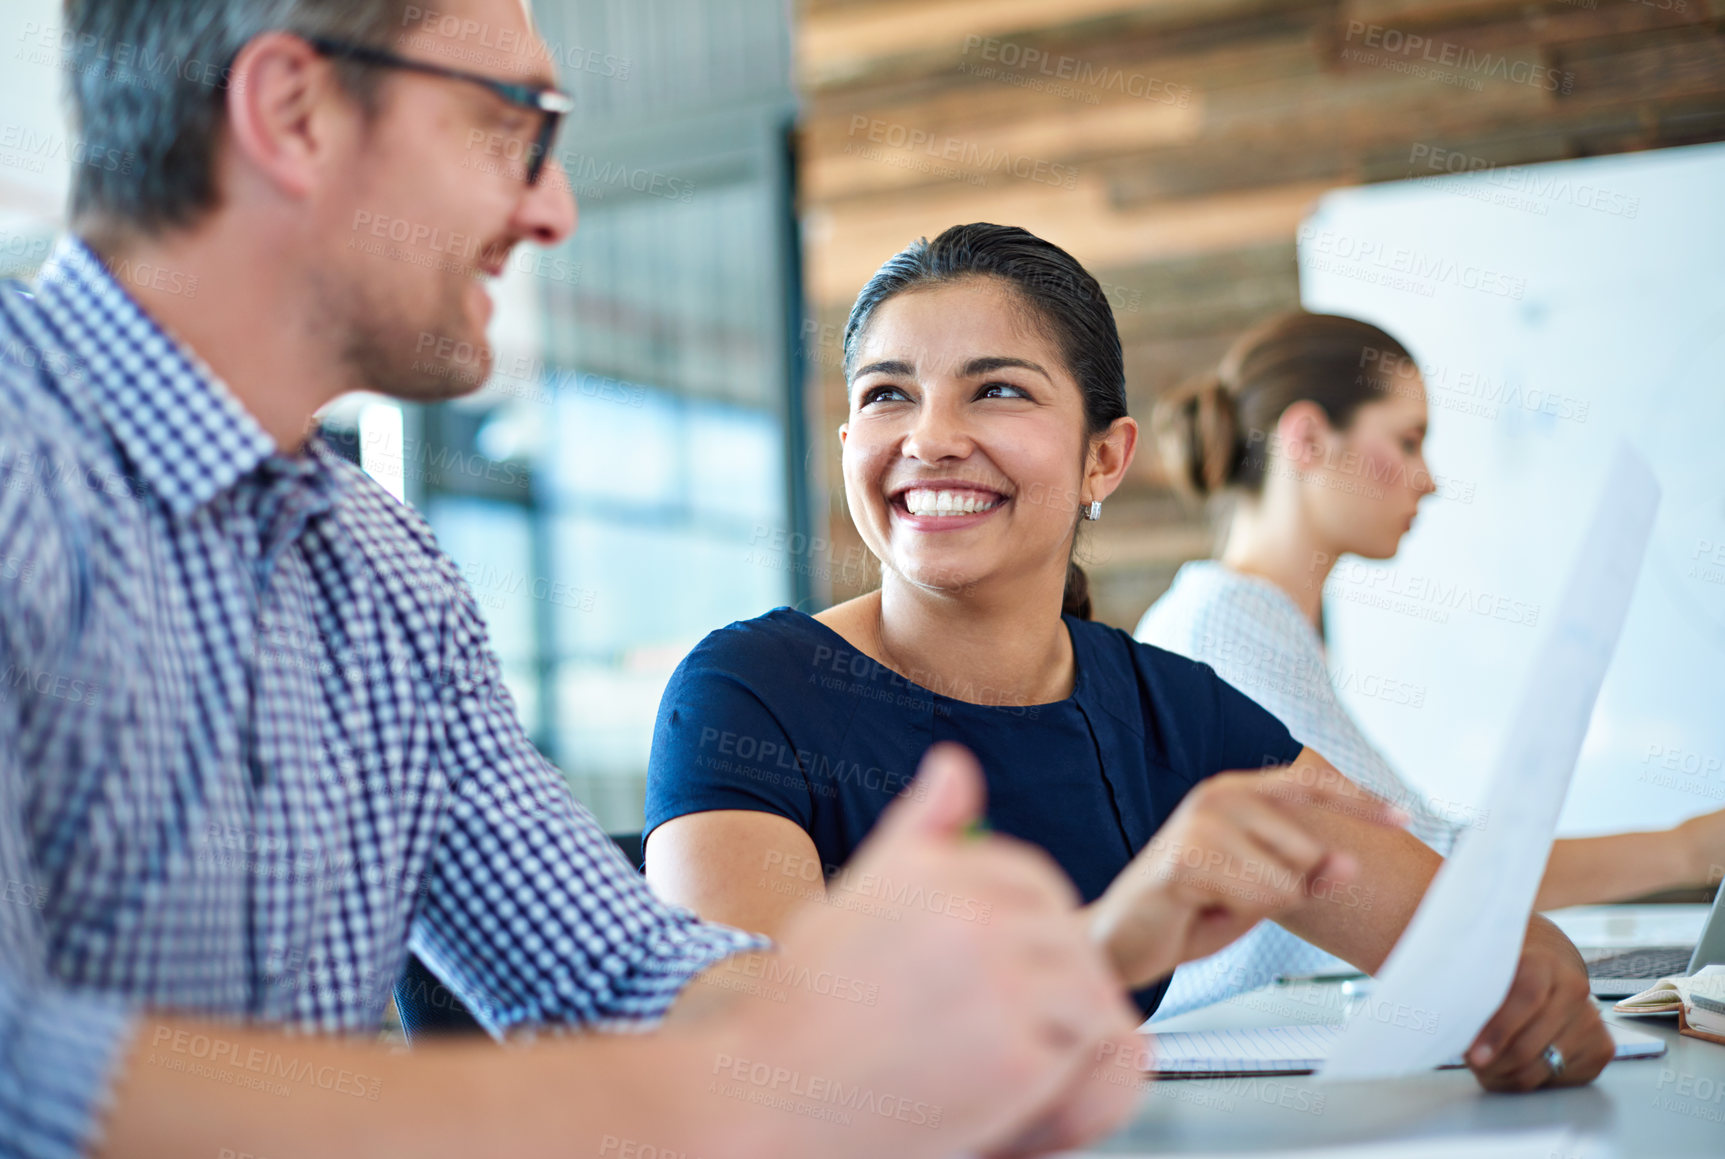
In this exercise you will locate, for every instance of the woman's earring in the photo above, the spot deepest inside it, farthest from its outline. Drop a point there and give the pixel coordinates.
(1095, 511)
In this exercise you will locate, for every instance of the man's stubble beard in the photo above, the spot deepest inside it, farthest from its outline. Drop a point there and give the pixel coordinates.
(386, 352)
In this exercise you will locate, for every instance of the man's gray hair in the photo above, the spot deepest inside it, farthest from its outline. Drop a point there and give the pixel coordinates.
(148, 81)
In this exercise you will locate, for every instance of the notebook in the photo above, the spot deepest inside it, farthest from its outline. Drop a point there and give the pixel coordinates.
(1292, 1050)
(1698, 1000)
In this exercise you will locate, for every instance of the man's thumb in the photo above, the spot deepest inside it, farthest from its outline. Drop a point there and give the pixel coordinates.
(945, 798)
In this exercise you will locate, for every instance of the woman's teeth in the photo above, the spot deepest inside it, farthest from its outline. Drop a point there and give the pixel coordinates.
(949, 502)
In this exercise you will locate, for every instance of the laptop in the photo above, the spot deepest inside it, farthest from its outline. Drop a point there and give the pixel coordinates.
(1618, 973)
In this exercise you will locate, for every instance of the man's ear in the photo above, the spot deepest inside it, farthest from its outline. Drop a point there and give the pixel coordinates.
(285, 109)
(1110, 458)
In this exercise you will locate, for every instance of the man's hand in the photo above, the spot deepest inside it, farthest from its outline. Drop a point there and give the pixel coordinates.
(1239, 848)
(991, 1002)
(1090, 1105)
(1549, 1004)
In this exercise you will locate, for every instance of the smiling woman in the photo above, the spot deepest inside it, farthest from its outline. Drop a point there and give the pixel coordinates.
(1060, 367)
(986, 412)
(987, 416)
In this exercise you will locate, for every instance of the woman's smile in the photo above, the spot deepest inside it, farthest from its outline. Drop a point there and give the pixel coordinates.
(939, 505)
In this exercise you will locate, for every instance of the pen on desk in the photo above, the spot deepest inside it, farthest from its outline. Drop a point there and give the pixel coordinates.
(1296, 979)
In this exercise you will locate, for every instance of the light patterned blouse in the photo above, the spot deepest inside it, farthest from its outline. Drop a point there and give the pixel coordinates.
(1258, 640)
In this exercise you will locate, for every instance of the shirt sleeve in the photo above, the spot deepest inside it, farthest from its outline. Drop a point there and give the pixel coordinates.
(58, 1051)
(716, 745)
(1248, 736)
(532, 915)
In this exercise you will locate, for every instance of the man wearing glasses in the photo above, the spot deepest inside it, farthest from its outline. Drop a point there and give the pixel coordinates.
(253, 745)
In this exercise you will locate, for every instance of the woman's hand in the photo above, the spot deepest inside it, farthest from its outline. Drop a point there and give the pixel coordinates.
(1240, 848)
(1550, 1004)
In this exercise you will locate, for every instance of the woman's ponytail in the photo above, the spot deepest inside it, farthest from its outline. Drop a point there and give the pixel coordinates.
(1076, 601)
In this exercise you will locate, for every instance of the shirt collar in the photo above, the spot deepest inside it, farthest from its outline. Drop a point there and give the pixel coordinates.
(186, 435)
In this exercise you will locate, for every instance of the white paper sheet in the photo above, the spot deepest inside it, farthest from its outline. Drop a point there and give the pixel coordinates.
(1453, 965)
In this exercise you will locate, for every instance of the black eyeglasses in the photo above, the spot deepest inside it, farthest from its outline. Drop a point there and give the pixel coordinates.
(549, 103)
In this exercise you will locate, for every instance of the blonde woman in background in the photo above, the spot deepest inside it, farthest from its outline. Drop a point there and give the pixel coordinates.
(1316, 424)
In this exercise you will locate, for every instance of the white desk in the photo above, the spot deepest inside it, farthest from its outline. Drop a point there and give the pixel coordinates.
(1637, 1106)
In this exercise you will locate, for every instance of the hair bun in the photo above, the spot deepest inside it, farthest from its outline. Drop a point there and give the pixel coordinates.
(1197, 429)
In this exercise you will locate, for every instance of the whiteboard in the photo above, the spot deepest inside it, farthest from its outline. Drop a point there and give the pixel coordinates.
(1553, 309)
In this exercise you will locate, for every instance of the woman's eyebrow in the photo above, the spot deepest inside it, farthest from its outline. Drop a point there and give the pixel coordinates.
(980, 366)
(890, 366)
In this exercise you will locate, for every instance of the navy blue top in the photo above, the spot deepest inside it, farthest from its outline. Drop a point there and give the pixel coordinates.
(780, 714)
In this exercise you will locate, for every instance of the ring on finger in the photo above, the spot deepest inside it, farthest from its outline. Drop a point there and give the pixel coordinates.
(1554, 1059)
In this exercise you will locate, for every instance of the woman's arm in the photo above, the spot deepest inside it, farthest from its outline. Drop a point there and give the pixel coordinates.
(1240, 847)
(1549, 1003)
(1592, 870)
(737, 867)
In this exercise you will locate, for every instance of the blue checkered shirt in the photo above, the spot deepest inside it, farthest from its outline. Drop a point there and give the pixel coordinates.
(253, 741)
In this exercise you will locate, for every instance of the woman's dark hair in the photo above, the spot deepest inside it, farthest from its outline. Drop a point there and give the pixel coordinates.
(1213, 432)
(1061, 297)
